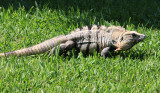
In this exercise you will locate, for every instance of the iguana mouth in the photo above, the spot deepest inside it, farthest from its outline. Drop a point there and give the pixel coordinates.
(141, 37)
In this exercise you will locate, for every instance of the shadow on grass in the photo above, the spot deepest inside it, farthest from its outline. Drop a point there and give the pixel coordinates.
(146, 12)
(131, 54)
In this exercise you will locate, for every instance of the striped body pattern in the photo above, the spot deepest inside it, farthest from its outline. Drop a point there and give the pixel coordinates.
(92, 38)
(86, 39)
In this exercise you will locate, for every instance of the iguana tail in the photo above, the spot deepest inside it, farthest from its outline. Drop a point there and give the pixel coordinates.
(39, 48)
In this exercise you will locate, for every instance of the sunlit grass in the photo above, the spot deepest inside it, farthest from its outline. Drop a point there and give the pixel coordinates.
(136, 70)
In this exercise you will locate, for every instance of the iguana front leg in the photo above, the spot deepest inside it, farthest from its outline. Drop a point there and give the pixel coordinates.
(64, 47)
(105, 51)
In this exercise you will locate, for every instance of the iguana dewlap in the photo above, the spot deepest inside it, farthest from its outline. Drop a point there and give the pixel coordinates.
(86, 39)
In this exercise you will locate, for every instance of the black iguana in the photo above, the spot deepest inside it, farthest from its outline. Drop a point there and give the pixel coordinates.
(86, 39)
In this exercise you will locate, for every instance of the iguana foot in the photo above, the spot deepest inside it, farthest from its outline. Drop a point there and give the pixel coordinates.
(105, 51)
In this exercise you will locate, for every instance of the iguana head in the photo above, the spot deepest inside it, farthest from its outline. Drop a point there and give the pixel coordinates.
(128, 39)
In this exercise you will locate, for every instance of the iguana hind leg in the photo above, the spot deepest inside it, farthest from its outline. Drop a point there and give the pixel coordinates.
(63, 48)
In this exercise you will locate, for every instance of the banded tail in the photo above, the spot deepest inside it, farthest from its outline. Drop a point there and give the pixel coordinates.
(39, 48)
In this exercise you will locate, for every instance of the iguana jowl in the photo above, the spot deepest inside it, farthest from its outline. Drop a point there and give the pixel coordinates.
(86, 39)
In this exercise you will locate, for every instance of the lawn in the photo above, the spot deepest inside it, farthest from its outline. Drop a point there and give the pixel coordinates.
(26, 23)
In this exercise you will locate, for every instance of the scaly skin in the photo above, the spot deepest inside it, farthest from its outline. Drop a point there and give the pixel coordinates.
(87, 39)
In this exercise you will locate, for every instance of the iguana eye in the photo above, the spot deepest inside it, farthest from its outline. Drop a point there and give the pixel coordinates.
(121, 39)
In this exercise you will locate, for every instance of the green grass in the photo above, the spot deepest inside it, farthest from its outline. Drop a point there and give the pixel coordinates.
(136, 70)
